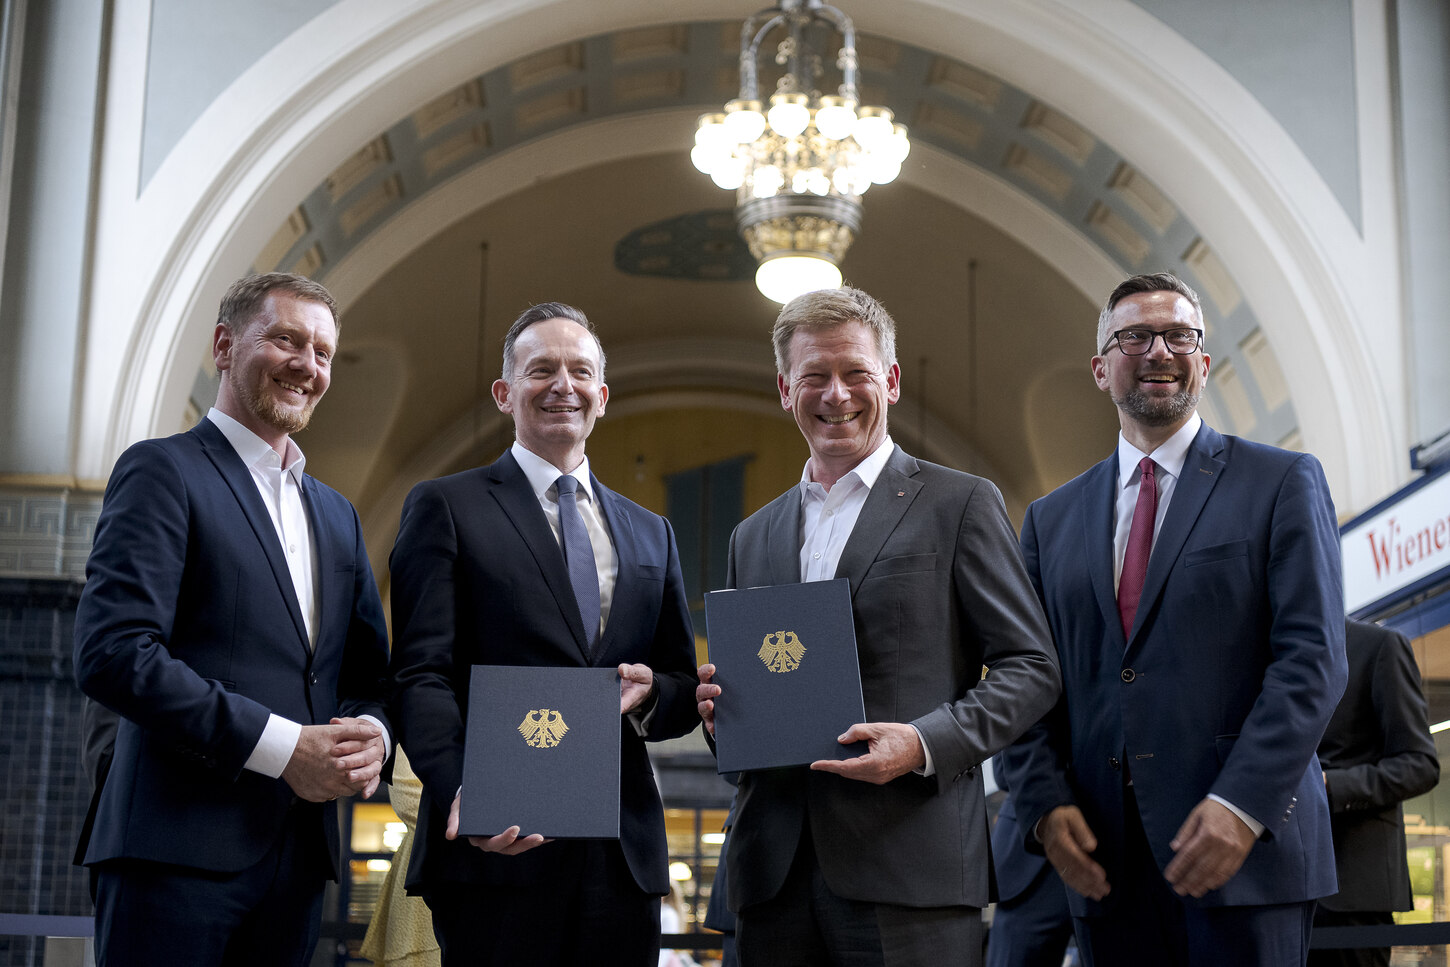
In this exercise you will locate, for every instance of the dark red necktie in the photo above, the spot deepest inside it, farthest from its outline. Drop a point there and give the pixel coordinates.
(1140, 545)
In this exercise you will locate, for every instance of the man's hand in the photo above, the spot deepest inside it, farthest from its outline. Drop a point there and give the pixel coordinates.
(635, 684)
(337, 759)
(705, 695)
(1068, 840)
(363, 760)
(1211, 845)
(894, 750)
(506, 842)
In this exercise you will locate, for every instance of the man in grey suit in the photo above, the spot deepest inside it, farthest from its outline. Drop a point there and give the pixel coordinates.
(882, 858)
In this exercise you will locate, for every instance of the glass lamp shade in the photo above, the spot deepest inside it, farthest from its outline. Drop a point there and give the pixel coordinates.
(743, 120)
(835, 117)
(784, 277)
(729, 174)
(789, 114)
(873, 128)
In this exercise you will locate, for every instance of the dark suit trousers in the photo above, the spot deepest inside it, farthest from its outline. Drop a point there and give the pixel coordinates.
(1033, 929)
(271, 913)
(600, 917)
(1152, 926)
(808, 925)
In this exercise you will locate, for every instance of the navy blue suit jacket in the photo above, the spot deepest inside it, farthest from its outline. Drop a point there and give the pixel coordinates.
(478, 578)
(1232, 669)
(190, 629)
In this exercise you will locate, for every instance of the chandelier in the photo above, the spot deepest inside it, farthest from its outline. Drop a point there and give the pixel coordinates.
(800, 163)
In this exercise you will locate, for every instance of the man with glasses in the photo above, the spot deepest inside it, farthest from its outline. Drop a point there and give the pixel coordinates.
(1192, 583)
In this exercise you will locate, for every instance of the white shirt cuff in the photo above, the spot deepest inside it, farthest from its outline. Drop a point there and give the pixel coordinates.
(387, 739)
(1256, 827)
(275, 747)
(929, 769)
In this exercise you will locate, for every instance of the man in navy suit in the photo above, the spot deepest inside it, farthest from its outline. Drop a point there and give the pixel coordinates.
(484, 572)
(230, 618)
(1193, 587)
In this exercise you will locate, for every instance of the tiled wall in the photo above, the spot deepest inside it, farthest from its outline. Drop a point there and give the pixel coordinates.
(45, 537)
(43, 791)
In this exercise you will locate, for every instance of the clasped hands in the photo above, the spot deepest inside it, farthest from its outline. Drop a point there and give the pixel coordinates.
(1209, 848)
(892, 748)
(636, 682)
(340, 758)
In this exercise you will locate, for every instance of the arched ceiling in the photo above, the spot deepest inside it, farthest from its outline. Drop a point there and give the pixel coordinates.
(994, 337)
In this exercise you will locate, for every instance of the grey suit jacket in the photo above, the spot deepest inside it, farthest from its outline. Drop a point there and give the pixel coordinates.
(938, 590)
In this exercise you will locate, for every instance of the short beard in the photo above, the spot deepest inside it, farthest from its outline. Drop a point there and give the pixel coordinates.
(1153, 411)
(268, 412)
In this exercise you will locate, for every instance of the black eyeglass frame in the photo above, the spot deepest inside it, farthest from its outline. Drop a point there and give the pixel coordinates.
(1152, 335)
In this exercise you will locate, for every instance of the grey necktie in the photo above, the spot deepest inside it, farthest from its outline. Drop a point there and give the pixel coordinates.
(579, 556)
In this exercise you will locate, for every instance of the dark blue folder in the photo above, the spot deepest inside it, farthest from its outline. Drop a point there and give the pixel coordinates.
(542, 752)
(785, 661)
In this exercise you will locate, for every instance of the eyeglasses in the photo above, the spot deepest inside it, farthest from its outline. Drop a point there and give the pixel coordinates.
(1137, 342)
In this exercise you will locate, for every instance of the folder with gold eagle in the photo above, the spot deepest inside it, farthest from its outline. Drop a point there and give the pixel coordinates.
(541, 752)
(785, 661)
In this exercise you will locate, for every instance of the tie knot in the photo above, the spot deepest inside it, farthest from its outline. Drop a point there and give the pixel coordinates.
(567, 484)
(1146, 466)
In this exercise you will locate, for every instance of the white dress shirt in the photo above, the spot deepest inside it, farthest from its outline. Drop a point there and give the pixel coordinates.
(1169, 459)
(827, 519)
(542, 477)
(279, 482)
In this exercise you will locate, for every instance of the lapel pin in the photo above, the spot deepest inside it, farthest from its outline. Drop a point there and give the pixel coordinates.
(901, 493)
(1205, 470)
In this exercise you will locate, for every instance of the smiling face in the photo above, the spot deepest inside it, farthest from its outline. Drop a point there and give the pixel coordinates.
(838, 388)
(556, 390)
(1158, 392)
(276, 368)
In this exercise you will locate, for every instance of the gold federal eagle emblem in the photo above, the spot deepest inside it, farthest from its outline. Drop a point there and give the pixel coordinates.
(782, 651)
(543, 728)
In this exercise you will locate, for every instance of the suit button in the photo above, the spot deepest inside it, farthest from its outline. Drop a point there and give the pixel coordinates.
(1113, 761)
(1128, 675)
(313, 680)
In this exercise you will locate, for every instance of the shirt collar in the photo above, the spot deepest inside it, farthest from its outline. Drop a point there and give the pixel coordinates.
(1169, 456)
(254, 450)
(866, 471)
(542, 474)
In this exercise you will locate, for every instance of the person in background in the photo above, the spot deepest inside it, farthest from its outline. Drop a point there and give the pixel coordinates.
(400, 933)
(1376, 753)
(1032, 925)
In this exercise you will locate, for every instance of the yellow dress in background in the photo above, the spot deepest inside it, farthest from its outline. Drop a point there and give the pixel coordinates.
(401, 931)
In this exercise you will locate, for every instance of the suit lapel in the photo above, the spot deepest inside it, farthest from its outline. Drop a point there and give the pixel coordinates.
(783, 541)
(621, 530)
(885, 505)
(219, 450)
(1101, 488)
(517, 500)
(1201, 471)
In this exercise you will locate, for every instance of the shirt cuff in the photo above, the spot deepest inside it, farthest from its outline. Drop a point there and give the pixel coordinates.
(640, 718)
(1256, 827)
(387, 739)
(929, 768)
(275, 747)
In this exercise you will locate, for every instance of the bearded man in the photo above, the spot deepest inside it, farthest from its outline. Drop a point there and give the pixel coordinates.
(231, 620)
(1192, 583)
